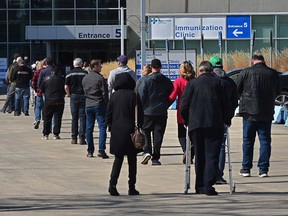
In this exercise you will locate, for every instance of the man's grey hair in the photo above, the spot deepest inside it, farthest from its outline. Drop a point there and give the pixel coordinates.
(206, 67)
(77, 62)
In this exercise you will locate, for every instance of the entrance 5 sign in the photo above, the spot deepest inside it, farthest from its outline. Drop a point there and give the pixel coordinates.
(238, 27)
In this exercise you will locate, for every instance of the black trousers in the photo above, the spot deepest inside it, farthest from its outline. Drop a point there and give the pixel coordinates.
(50, 110)
(132, 167)
(157, 125)
(182, 139)
(207, 143)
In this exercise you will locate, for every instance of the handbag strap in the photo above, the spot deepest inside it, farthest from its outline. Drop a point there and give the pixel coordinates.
(136, 109)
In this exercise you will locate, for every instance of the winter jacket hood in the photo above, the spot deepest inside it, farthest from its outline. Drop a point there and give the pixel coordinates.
(124, 81)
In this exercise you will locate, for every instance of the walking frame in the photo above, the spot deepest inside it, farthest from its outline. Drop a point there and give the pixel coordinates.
(231, 184)
(188, 162)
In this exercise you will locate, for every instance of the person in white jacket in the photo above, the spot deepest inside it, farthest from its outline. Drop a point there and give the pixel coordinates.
(122, 68)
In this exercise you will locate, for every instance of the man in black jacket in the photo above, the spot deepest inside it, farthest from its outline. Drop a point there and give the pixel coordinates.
(53, 88)
(154, 92)
(257, 87)
(204, 109)
(74, 90)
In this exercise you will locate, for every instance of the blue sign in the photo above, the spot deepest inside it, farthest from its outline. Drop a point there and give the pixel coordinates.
(238, 27)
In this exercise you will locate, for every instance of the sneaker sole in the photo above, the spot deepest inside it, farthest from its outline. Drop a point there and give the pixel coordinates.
(146, 159)
(263, 175)
(245, 174)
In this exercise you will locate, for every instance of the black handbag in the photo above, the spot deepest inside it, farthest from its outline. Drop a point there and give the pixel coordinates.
(137, 137)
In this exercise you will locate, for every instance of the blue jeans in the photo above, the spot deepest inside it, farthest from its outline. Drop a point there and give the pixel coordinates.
(22, 93)
(249, 133)
(77, 108)
(39, 102)
(96, 113)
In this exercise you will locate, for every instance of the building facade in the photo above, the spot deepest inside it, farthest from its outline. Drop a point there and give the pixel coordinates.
(90, 28)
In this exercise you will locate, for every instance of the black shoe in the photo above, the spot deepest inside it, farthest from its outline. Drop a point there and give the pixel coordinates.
(36, 124)
(17, 114)
(200, 191)
(10, 111)
(156, 163)
(74, 141)
(113, 191)
(133, 192)
(221, 181)
(245, 172)
(103, 155)
(82, 141)
(26, 114)
(211, 193)
(90, 155)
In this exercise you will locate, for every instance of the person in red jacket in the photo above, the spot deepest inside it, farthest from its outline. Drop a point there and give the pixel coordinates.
(39, 102)
(187, 73)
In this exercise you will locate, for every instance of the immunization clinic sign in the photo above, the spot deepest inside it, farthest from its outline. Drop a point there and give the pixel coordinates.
(176, 57)
(188, 27)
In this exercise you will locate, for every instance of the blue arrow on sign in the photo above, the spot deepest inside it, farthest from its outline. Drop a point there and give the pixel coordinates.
(238, 27)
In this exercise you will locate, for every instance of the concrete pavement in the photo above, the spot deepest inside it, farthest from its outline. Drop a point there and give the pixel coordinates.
(54, 177)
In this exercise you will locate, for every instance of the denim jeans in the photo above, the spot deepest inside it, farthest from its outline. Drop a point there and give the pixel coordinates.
(96, 113)
(10, 98)
(22, 93)
(39, 102)
(249, 133)
(77, 108)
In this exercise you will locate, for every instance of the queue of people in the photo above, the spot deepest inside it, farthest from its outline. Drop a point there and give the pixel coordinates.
(205, 107)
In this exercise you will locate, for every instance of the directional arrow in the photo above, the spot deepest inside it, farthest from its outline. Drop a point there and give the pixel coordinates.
(236, 32)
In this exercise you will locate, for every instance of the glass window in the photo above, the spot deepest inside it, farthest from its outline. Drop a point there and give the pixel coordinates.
(18, 19)
(282, 44)
(64, 17)
(263, 25)
(123, 3)
(3, 50)
(3, 26)
(63, 3)
(282, 26)
(41, 17)
(23, 48)
(41, 4)
(238, 45)
(108, 17)
(107, 3)
(86, 17)
(85, 3)
(211, 47)
(2, 4)
(261, 44)
(18, 4)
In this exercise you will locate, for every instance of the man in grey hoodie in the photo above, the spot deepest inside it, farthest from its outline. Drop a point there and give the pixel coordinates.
(231, 90)
(122, 68)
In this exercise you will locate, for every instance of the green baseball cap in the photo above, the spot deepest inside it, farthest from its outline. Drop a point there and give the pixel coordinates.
(216, 61)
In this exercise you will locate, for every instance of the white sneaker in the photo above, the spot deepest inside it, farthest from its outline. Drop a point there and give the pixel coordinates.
(45, 137)
(56, 137)
(263, 175)
(146, 158)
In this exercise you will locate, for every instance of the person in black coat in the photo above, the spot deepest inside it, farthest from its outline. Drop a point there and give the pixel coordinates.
(204, 109)
(53, 88)
(120, 119)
